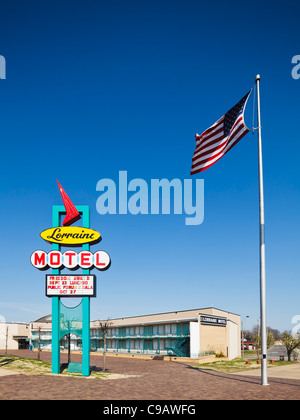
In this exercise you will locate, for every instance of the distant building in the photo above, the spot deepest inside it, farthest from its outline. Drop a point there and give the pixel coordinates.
(249, 345)
(14, 335)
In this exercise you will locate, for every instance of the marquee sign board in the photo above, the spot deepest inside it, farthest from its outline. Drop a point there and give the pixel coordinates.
(70, 286)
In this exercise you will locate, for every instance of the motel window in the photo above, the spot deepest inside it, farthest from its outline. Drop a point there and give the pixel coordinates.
(173, 329)
(129, 344)
(170, 329)
(127, 330)
(138, 344)
(131, 331)
(168, 343)
(158, 330)
(115, 332)
(139, 330)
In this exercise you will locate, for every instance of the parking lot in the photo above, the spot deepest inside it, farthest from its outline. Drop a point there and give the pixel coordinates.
(154, 380)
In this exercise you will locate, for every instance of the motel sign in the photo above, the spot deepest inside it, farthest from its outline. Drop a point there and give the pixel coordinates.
(58, 285)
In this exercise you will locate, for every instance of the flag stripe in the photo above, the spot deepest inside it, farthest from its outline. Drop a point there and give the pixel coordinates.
(209, 140)
(218, 136)
(206, 136)
(209, 146)
(221, 151)
(225, 147)
(208, 130)
(209, 162)
(216, 147)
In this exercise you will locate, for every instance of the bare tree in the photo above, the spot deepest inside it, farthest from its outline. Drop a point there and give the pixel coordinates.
(68, 336)
(6, 339)
(257, 341)
(39, 344)
(104, 326)
(290, 343)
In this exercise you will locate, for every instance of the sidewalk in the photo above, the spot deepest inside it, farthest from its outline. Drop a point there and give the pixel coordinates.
(153, 380)
(286, 371)
(6, 372)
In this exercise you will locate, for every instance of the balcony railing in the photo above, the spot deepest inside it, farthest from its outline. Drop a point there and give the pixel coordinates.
(138, 336)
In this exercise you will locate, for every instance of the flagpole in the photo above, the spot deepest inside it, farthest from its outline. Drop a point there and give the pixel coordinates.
(263, 326)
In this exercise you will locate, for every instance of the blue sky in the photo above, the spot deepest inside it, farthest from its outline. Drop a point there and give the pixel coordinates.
(94, 88)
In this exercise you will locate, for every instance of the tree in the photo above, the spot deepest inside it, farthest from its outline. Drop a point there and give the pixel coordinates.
(290, 342)
(276, 333)
(39, 344)
(69, 328)
(6, 339)
(250, 334)
(270, 341)
(257, 342)
(104, 326)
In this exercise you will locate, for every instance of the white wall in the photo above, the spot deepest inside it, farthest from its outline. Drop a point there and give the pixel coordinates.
(194, 340)
(233, 340)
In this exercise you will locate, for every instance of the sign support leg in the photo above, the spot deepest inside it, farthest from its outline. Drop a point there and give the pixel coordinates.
(55, 335)
(55, 305)
(85, 305)
(86, 336)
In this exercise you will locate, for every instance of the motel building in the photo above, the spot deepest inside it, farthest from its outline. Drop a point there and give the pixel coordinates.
(190, 333)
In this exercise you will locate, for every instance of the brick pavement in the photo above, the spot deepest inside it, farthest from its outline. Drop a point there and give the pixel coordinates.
(157, 380)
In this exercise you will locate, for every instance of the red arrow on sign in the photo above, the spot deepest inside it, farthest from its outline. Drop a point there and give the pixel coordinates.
(72, 213)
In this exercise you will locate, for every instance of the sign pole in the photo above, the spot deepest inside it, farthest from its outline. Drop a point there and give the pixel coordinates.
(85, 305)
(55, 348)
(263, 329)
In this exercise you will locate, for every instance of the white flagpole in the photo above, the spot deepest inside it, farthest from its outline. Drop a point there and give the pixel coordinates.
(263, 325)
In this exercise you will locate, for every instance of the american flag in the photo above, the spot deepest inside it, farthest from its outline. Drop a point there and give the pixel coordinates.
(218, 139)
